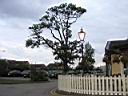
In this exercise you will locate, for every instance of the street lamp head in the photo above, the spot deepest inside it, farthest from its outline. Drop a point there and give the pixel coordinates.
(81, 35)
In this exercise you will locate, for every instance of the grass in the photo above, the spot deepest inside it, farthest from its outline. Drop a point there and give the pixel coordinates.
(13, 81)
(10, 81)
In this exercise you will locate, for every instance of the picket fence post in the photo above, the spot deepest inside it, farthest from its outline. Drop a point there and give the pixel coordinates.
(123, 84)
(94, 84)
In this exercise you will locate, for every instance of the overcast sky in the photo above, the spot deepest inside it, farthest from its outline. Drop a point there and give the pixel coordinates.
(104, 20)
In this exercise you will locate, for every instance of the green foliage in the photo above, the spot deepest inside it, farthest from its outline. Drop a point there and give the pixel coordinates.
(3, 68)
(38, 75)
(124, 59)
(57, 20)
(88, 58)
(55, 66)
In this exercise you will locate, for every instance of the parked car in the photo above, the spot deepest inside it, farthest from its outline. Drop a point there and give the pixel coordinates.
(26, 73)
(52, 75)
(14, 73)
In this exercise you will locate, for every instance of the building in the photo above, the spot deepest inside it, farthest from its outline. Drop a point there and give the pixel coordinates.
(114, 52)
(8, 65)
(38, 66)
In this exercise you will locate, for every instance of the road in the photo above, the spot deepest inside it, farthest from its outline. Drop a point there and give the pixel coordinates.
(33, 89)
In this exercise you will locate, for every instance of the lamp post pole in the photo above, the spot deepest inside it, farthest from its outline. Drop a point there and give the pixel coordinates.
(82, 37)
(82, 47)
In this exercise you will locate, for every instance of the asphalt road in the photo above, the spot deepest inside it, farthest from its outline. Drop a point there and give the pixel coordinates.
(33, 89)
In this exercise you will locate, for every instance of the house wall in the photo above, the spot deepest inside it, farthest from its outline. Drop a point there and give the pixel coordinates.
(117, 67)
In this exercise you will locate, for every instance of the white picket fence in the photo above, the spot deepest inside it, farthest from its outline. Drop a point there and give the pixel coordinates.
(95, 85)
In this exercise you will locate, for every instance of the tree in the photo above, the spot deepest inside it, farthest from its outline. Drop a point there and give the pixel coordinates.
(124, 59)
(88, 58)
(57, 20)
(55, 66)
(3, 67)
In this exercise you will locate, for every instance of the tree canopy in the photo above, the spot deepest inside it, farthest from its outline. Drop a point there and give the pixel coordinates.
(88, 58)
(124, 59)
(57, 20)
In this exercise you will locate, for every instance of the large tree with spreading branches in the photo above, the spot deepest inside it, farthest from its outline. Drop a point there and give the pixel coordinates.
(58, 20)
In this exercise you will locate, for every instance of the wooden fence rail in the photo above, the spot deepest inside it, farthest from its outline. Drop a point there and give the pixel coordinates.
(95, 85)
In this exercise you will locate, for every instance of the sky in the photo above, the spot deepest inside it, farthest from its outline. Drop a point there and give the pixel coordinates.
(104, 20)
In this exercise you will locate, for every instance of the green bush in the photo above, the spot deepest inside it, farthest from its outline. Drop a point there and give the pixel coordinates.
(39, 75)
(3, 68)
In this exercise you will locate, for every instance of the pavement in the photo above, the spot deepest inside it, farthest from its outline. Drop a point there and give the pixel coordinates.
(35, 89)
(32, 89)
(54, 92)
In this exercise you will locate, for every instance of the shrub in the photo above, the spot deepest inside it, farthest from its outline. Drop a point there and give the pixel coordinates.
(39, 75)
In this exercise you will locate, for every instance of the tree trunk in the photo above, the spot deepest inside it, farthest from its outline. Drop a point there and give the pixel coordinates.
(65, 67)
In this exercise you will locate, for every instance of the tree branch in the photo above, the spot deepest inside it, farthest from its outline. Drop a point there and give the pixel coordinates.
(54, 35)
(48, 43)
(60, 35)
(60, 23)
(74, 21)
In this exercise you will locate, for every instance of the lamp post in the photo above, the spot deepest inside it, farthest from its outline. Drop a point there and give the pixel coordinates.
(81, 35)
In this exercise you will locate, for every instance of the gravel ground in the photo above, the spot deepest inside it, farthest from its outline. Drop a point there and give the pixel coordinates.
(36, 89)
